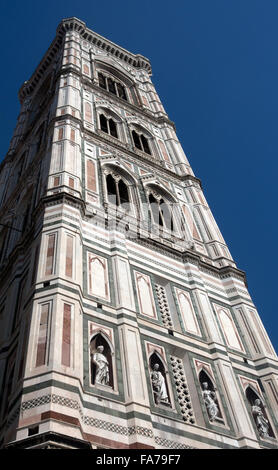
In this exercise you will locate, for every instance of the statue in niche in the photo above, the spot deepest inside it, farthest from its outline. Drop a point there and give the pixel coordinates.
(210, 400)
(102, 366)
(159, 386)
(260, 420)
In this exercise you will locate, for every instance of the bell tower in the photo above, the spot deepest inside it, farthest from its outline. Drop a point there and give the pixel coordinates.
(125, 322)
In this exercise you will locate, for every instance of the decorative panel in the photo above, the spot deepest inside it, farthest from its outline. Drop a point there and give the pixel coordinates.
(41, 356)
(98, 276)
(228, 328)
(145, 295)
(187, 312)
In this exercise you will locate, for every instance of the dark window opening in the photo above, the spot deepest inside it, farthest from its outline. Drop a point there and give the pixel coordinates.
(111, 86)
(117, 192)
(121, 91)
(108, 126)
(103, 123)
(113, 128)
(136, 140)
(102, 81)
(111, 190)
(154, 208)
(107, 83)
(123, 192)
(161, 213)
(141, 142)
(145, 144)
(166, 214)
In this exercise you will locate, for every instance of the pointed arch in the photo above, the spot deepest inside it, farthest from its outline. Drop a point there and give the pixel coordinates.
(205, 376)
(156, 355)
(98, 281)
(121, 188)
(145, 295)
(162, 208)
(160, 189)
(252, 394)
(229, 328)
(109, 66)
(142, 138)
(187, 312)
(119, 168)
(101, 369)
(108, 112)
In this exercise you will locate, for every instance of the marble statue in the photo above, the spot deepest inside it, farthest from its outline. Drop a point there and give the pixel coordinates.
(260, 420)
(102, 366)
(210, 400)
(159, 386)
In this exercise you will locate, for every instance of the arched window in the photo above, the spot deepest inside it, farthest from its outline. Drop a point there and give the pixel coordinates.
(161, 211)
(141, 142)
(108, 126)
(117, 191)
(112, 85)
(101, 362)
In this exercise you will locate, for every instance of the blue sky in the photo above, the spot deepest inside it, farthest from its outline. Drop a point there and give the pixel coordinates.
(215, 67)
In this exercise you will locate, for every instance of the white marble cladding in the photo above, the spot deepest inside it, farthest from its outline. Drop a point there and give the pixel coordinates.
(171, 292)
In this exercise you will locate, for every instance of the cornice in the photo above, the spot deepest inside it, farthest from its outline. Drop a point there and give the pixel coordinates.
(188, 256)
(192, 179)
(74, 24)
(29, 85)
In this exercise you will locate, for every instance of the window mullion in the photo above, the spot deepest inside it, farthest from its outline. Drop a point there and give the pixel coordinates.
(160, 212)
(117, 91)
(118, 200)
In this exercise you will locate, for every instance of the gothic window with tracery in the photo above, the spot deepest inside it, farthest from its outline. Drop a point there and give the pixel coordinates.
(112, 85)
(108, 126)
(141, 142)
(161, 211)
(117, 191)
